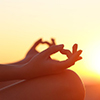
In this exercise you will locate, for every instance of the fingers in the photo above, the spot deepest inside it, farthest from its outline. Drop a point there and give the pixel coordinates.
(33, 47)
(53, 49)
(53, 41)
(79, 58)
(37, 43)
(66, 52)
(76, 56)
(61, 65)
(71, 61)
(46, 42)
(74, 48)
(69, 54)
(40, 41)
(50, 44)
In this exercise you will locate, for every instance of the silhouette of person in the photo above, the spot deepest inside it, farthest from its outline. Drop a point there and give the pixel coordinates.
(43, 78)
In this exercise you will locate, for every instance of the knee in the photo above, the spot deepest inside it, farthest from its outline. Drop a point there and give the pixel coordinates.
(73, 85)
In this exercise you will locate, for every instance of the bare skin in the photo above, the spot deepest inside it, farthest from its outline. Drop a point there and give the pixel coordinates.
(31, 53)
(39, 72)
(63, 86)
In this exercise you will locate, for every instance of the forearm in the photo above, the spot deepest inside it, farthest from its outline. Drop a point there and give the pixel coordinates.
(23, 61)
(10, 72)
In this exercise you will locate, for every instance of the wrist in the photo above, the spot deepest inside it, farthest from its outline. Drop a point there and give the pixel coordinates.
(24, 71)
(10, 72)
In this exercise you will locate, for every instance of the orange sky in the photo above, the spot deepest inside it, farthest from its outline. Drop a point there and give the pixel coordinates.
(22, 22)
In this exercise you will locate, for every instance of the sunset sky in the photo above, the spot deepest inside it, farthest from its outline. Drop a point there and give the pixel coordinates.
(22, 22)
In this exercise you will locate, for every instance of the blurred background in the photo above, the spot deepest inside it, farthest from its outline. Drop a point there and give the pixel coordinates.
(22, 22)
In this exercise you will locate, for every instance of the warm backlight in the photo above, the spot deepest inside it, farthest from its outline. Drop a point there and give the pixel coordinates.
(93, 57)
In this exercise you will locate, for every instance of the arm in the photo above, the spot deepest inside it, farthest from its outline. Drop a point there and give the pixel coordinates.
(38, 66)
(13, 71)
(10, 72)
(42, 64)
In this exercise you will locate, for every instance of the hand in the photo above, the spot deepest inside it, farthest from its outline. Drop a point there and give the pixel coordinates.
(32, 52)
(68, 52)
(41, 65)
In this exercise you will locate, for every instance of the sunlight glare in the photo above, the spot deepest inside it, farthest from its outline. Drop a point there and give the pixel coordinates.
(94, 57)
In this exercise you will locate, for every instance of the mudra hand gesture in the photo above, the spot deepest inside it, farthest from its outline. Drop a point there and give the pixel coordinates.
(41, 64)
(32, 52)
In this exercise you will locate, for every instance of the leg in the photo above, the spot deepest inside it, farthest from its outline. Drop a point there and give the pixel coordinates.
(64, 86)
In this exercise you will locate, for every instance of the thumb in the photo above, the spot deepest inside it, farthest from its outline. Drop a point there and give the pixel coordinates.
(53, 49)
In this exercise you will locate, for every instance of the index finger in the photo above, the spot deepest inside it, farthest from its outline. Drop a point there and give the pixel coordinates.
(37, 43)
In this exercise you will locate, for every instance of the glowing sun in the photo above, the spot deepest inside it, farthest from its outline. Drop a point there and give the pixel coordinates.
(93, 56)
